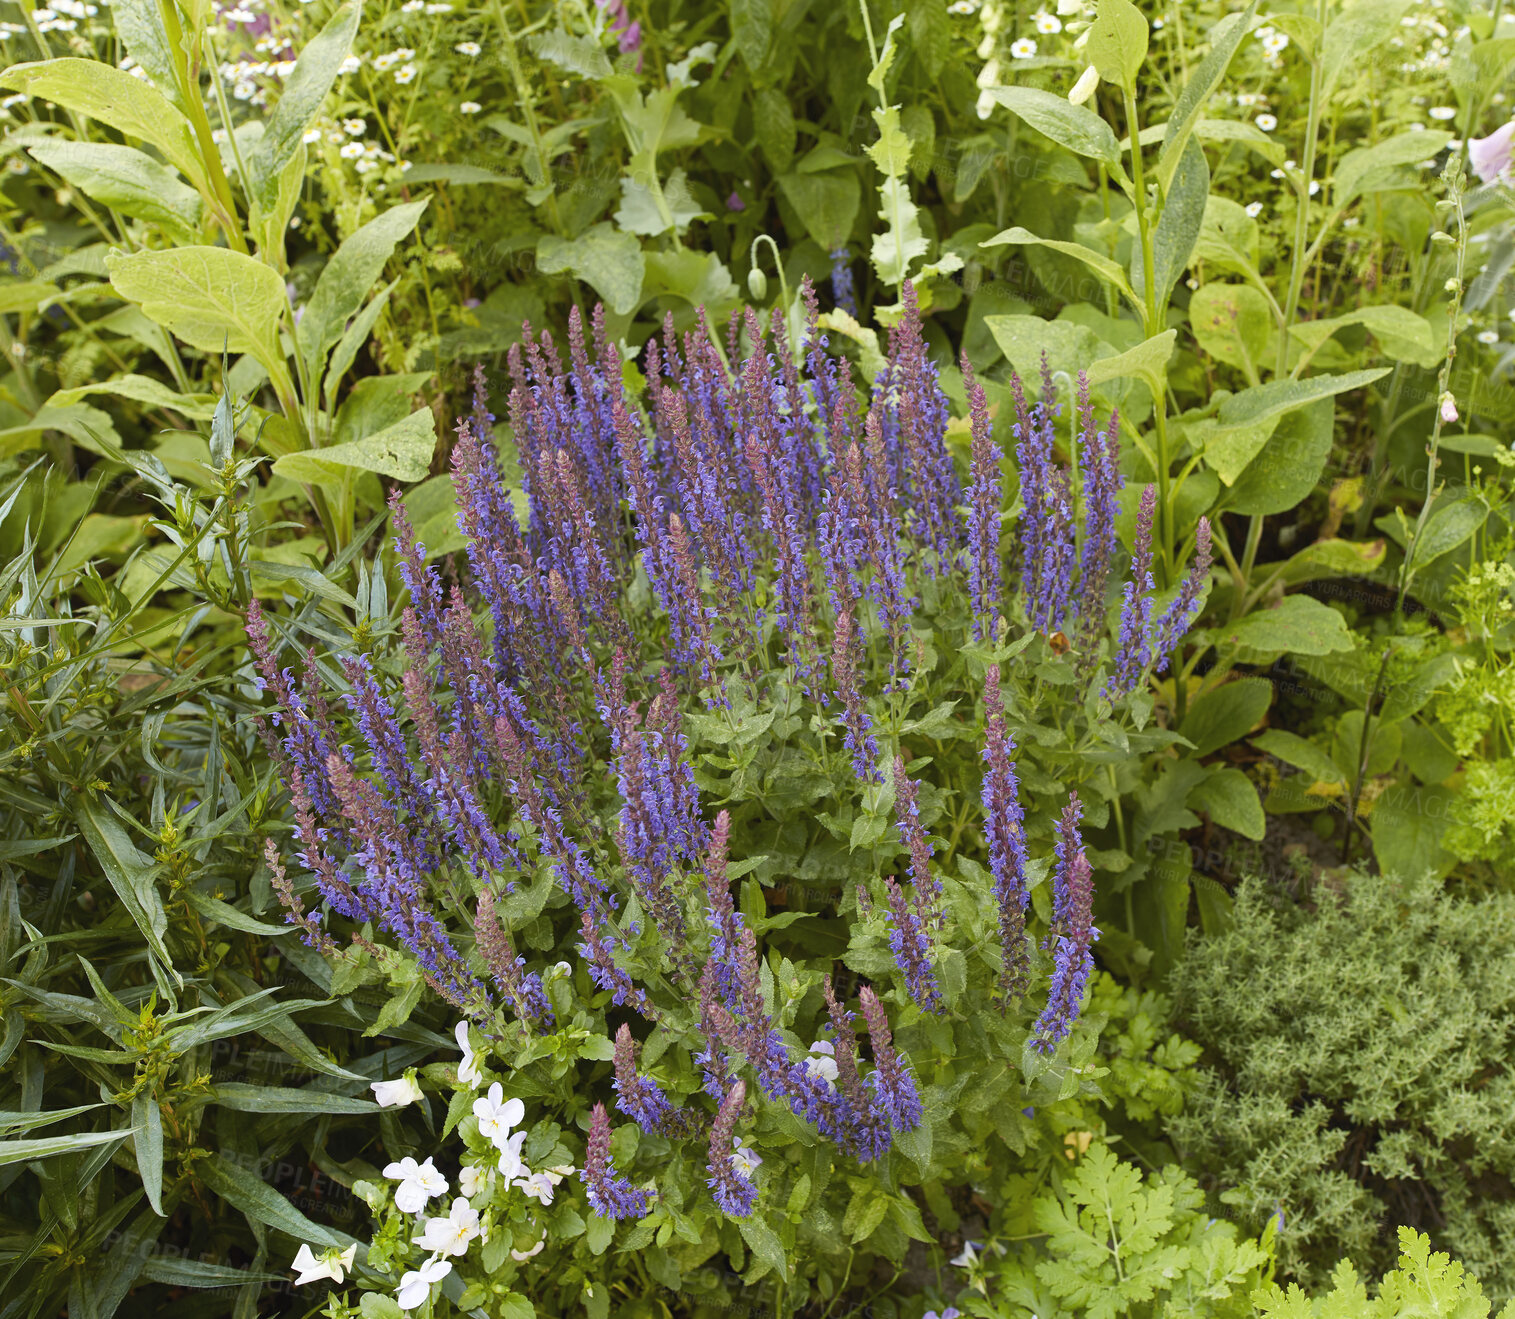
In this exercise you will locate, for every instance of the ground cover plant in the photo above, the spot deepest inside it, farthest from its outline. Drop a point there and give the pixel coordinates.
(671, 657)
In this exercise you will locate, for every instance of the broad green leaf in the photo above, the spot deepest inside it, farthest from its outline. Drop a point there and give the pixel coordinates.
(752, 27)
(1333, 558)
(141, 389)
(1081, 131)
(1230, 799)
(24, 1151)
(608, 261)
(1290, 465)
(211, 297)
(304, 91)
(1298, 624)
(1407, 822)
(1303, 755)
(349, 276)
(1117, 43)
(1147, 362)
(244, 1190)
(352, 340)
(1229, 238)
(1023, 340)
(1178, 226)
(700, 278)
(1236, 130)
(139, 25)
(128, 181)
(827, 203)
(111, 95)
(1401, 333)
(86, 426)
(1360, 27)
(1232, 323)
(402, 451)
(1364, 169)
(765, 1245)
(127, 870)
(1102, 266)
(1450, 525)
(582, 56)
(1226, 713)
(1225, 37)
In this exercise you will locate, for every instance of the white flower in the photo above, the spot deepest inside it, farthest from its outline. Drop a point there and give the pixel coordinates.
(413, 6)
(470, 107)
(333, 1264)
(397, 1093)
(352, 151)
(1488, 336)
(469, 48)
(311, 137)
(962, 8)
(405, 75)
(540, 1185)
(355, 127)
(520, 1255)
(511, 1162)
(1085, 87)
(468, 1069)
(744, 1160)
(351, 64)
(1047, 24)
(439, 8)
(822, 1060)
(1266, 122)
(988, 76)
(1275, 45)
(1023, 49)
(969, 1256)
(1314, 186)
(419, 1182)
(1443, 112)
(497, 1115)
(416, 1285)
(1254, 209)
(451, 1235)
(1248, 99)
(473, 1180)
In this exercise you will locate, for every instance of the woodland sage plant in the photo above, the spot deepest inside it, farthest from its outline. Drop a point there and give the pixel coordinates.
(726, 631)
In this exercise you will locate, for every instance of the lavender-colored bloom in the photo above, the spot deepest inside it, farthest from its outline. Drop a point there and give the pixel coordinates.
(1174, 621)
(1047, 548)
(984, 573)
(609, 1195)
(1102, 487)
(639, 1097)
(598, 950)
(843, 294)
(1134, 646)
(714, 1066)
(893, 1087)
(860, 740)
(1493, 157)
(864, 1130)
(1004, 825)
(912, 947)
(733, 1191)
(907, 814)
(523, 988)
(420, 579)
(1072, 932)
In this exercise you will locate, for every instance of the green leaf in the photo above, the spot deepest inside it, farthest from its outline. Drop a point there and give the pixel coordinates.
(827, 203)
(1407, 823)
(139, 25)
(24, 1151)
(348, 277)
(211, 297)
(1333, 558)
(1232, 323)
(1226, 713)
(24, 295)
(304, 91)
(147, 1133)
(1117, 42)
(700, 278)
(244, 1190)
(313, 579)
(1449, 526)
(1147, 362)
(1359, 28)
(1401, 333)
(1081, 131)
(128, 181)
(765, 1245)
(112, 96)
(1369, 169)
(283, 1099)
(1225, 37)
(1102, 266)
(1298, 624)
(752, 29)
(1230, 799)
(127, 870)
(1290, 467)
(172, 1271)
(610, 262)
(402, 451)
(141, 389)
(1179, 225)
(1023, 339)
(1303, 755)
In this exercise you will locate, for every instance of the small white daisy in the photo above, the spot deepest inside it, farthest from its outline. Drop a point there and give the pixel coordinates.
(469, 48)
(1023, 49)
(1488, 336)
(355, 127)
(470, 107)
(1443, 112)
(1266, 122)
(1048, 24)
(1254, 209)
(405, 75)
(351, 151)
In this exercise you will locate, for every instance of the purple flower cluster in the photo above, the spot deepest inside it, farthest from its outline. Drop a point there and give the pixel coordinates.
(640, 1098)
(984, 495)
(1072, 934)
(1004, 825)
(730, 1185)
(609, 1195)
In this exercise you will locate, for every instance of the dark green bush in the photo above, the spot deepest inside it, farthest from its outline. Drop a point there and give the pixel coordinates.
(1358, 1072)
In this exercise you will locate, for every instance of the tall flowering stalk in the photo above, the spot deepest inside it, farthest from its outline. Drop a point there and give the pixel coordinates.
(1072, 935)
(1175, 619)
(732, 1188)
(609, 1194)
(984, 571)
(860, 740)
(1102, 487)
(1134, 643)
(639, 1097)
(1004, 825)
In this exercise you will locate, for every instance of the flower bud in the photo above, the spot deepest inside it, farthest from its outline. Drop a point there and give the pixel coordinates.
(757, 284)
(1085, 87)
(1448, 408)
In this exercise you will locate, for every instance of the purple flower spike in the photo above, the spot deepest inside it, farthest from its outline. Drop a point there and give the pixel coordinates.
(984, 573)
(1004, 825)
(892, 1085)
(1175, 619)
(640, 1098)
(1134, 647)
(1072, 934)
(609, 1195)
(732, 1189)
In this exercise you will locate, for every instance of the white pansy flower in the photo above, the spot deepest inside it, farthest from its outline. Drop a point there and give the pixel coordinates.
(498, 1116)
(415, 1287)
(746, 1161)
(333, 1264)
(419, 1182)
(403, 1090)
(451, 1235)
(521, 1255)
(969, 1256)
(822, 1060)
(473, 1180)
(469, 1072)
(511, 1162)
(539, 1185)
